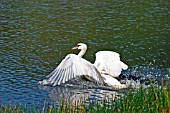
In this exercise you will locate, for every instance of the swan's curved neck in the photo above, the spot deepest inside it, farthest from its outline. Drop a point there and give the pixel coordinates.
(82, 52)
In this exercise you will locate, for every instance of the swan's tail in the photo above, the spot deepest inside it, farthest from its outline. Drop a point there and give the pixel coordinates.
(123, 65)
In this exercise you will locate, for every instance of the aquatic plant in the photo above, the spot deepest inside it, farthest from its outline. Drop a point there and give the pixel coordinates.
(152, 100)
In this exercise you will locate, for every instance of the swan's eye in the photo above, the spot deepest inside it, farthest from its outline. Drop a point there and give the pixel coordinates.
(78, 45)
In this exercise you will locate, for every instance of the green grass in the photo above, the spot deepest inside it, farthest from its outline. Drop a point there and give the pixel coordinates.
(151, 100)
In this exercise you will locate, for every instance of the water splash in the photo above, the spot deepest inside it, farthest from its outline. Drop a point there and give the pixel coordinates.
(148, 75)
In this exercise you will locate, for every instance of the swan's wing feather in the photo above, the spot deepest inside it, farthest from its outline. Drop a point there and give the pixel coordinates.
(70, 67)
(109, 62)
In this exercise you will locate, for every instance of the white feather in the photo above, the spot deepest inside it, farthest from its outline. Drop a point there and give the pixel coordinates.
(70, 67)
(109, 62)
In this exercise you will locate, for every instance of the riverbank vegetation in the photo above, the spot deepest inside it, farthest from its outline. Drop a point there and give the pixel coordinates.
(150, 100)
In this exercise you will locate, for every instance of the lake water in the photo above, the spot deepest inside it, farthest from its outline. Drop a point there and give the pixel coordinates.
(35, 35)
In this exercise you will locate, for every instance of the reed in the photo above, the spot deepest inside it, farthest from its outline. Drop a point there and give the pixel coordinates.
(151, 100)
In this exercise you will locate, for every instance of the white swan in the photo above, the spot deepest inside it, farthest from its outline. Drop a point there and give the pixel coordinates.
(107, 66)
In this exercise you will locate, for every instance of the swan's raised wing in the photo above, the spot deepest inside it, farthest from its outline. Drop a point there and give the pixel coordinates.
(109, 62)
(69, 68)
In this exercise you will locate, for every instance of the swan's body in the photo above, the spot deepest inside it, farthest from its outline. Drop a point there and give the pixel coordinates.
(107, 66)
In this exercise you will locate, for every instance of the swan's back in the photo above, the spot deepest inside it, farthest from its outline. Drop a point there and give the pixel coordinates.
(109, 62)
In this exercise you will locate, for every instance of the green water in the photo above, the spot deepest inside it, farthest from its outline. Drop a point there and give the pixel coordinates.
(35, 35)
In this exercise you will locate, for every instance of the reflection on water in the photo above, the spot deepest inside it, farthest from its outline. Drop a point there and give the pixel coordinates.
(36, 35)
(75, 96)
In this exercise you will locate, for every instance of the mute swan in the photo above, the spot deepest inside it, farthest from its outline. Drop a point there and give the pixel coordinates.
(107, 66)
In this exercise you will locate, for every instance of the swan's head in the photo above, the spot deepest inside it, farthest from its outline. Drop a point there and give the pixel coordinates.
(80, 46)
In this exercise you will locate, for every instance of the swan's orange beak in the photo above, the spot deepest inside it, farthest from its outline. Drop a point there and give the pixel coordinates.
(76, 47)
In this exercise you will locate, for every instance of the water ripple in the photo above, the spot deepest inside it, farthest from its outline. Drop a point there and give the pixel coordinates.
(35, 36)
